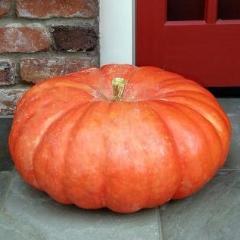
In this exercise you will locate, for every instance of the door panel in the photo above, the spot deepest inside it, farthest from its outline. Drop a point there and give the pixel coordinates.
(207, 50)
(229, 9)
(185, 10)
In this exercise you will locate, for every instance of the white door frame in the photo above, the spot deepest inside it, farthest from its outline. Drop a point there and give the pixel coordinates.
(117, 31)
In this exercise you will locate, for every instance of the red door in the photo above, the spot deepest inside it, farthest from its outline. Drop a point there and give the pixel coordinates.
(197, 38)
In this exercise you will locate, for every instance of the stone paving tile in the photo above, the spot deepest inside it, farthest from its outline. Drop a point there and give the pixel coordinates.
(211, 214)
(12, 229)
(232, 108)
(230, 105)
(57, 222)
(4, 184)
(233, 161)
(5, 162)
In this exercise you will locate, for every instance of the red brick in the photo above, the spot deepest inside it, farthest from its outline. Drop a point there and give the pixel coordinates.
(57, 8)
(37, 69)
(4, 7)
(74, 39)
(23, 38)
(7, 72)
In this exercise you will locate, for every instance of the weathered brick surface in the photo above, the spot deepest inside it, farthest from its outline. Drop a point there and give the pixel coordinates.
(21, 38)
(4, 7)
(37, 69)
(56, 8)
(8, 99)
(40, 39)
(7, 72)
(74, 39)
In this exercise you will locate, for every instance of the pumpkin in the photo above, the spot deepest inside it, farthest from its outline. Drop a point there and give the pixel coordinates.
(121, 137)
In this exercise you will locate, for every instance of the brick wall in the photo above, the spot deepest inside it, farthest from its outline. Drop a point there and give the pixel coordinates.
(43, 38)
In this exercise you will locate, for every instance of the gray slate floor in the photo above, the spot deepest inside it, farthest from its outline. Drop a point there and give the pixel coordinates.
(211, 214)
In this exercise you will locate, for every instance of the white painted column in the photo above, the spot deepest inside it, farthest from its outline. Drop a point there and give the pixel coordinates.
(117, 31)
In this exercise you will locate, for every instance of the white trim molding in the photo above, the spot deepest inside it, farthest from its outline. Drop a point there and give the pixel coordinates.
(117, 31)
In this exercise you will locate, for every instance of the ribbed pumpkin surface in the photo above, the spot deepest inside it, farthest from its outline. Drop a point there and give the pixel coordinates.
(163, 139)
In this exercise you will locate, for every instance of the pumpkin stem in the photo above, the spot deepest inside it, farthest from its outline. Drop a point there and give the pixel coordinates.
(118, 85)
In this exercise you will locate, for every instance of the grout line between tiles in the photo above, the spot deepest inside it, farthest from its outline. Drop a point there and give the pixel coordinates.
(229, 170)
(6, 116)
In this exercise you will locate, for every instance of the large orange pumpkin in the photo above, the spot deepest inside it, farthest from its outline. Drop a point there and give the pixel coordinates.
(120, 137)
